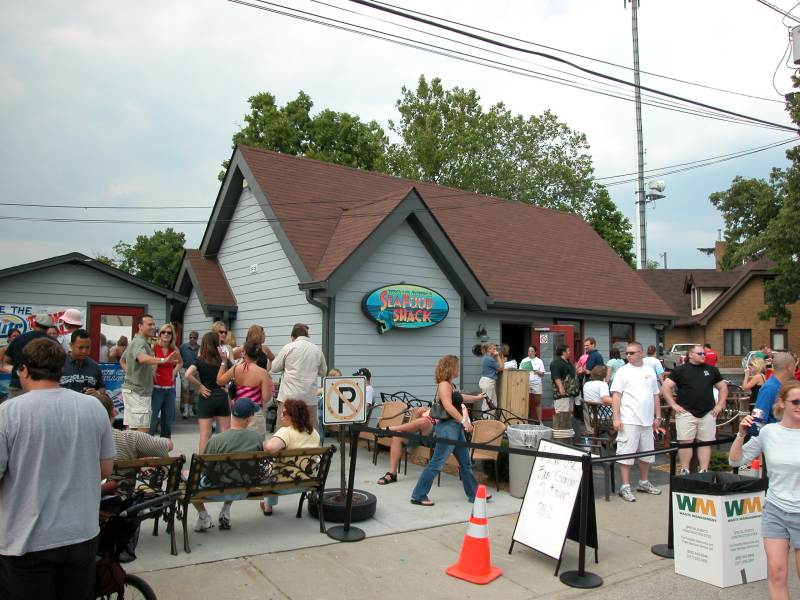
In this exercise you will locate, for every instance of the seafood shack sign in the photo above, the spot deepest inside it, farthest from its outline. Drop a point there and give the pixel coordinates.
(404, 306)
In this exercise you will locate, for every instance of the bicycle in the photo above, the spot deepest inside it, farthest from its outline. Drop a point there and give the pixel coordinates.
(119, 520)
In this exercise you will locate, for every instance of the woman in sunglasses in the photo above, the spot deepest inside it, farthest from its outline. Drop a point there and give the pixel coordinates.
(780, 521)
(162, 401)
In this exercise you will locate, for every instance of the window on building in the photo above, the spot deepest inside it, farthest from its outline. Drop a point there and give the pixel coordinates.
(619, 335)
(738, 342)
(779, 340)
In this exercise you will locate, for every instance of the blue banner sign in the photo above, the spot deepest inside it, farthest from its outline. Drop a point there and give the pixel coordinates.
(405, 306)
(113, 376)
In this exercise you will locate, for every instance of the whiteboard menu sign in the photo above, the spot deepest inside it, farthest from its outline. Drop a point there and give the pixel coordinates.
(549, 500)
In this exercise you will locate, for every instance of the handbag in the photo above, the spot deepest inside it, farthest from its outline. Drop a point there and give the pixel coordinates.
(437, 409)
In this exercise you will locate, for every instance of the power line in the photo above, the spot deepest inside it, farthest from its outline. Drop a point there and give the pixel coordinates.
(599, 60)
(482, 61)
(569, 63)
(778, 10)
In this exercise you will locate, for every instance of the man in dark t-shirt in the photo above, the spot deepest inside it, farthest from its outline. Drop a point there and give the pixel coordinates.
(14, 351)
(695, 408)
(562, 372)
(81, 373)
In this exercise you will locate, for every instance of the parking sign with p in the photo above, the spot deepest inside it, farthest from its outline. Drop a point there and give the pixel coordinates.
(344, 400)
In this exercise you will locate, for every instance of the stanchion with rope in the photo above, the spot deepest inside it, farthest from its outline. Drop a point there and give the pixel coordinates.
(667, 550)
(582, 578)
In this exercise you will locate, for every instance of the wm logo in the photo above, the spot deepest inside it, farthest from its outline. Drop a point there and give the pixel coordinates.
(696, 505)
(745, 506)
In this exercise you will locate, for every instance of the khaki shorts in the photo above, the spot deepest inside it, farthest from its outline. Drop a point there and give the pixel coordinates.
(137, 410)
(489, 387)
(535, 388)
(689, 427)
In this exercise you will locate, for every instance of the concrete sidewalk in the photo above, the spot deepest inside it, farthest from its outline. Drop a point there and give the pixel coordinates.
(407, 549)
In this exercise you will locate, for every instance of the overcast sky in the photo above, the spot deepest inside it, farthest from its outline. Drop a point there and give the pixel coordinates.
(124, 103)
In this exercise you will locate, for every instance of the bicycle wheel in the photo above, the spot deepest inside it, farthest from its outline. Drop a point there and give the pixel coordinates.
(135, 588)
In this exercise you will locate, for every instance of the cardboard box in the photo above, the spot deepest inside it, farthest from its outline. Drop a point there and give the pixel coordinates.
(717, 539)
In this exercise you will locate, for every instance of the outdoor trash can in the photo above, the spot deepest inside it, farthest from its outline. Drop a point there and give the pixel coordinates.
(717, 528)
(519, 465)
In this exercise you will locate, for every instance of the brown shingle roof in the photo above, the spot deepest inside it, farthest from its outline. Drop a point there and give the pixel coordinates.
(521, 254)
(212, 286)
(668, 284)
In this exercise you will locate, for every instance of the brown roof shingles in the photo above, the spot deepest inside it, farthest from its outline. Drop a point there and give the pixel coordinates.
(521, 254)
(212, 285)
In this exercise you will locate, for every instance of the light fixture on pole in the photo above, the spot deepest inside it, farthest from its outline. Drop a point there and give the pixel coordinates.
(655, 192)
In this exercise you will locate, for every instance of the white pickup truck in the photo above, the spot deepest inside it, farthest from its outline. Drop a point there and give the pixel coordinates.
(676, 355)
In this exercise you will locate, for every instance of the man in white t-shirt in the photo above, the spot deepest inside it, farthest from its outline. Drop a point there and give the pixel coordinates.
(651, 361)
(535, 365)
(637, 413)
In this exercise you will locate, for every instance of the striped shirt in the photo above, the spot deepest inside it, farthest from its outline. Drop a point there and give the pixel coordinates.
(137, 444)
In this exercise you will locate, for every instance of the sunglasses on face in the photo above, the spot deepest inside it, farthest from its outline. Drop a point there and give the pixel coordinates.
(699, 353)
(630, 353)
(223, 332)
(166, 333)
(793, 402)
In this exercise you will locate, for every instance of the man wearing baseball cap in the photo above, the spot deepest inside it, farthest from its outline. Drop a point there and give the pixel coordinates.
(370, 392)
(72, 319)
(14, 350)
(236, 439)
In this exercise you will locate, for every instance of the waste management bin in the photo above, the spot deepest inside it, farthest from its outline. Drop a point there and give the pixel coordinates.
(527, 436)
(716, 520)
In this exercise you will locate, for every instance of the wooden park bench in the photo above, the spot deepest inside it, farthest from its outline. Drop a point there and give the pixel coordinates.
(150, 477)
(254, 475)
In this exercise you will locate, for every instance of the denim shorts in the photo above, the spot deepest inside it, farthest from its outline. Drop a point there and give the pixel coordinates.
(779, 524)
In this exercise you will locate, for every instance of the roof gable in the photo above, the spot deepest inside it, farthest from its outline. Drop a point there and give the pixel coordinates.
(82, 259)
(206, 277)
(519, 254)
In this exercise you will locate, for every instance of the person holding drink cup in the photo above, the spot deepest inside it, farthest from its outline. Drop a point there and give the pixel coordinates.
(780, 521)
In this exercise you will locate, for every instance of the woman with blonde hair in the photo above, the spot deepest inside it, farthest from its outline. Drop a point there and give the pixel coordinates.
(754, 378)
(780, 519)
(452, 425)
(225, 349)
(162, 402)
(491, 365)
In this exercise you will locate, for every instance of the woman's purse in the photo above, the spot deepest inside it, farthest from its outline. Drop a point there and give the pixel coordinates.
(437, 409)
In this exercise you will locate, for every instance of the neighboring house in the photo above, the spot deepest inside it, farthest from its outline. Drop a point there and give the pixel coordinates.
(111, 300)
(297, 240)
(721, 308)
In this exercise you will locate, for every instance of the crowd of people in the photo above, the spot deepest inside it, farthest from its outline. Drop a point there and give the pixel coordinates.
(228, 387)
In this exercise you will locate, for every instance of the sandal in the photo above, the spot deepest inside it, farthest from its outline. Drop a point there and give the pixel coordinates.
(423, 502)
(387, 479)
(266, 509)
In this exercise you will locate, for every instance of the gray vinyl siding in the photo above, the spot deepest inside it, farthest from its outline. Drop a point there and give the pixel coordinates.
(398, 359)
(77, 286)
(471, 364)
(194, 317)
(270, 296)
(600, 330)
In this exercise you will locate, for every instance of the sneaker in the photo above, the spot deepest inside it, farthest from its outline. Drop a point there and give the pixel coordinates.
(203, 523)
(224, 521)
(703, 471)
(626, 494)
(648, 488)
(684, 471)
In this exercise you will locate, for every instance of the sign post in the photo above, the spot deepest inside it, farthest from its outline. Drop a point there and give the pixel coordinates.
(345, 402)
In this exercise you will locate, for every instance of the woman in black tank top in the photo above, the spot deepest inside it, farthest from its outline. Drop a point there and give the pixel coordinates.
(453, 427)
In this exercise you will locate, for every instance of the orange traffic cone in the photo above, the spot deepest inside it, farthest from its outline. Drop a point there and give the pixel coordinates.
(475, 562)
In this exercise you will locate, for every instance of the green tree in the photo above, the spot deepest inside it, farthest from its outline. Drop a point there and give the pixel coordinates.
(448, 138)
(154, 258)
(336, 137)
(762, 220)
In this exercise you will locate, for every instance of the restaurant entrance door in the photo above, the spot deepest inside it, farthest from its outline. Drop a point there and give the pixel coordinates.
(545, 338)
(112, 322)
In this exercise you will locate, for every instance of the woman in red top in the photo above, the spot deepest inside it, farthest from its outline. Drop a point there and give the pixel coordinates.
(163, 399)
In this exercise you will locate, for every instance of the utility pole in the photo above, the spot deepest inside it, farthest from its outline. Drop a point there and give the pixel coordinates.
(664, 256)
(640, 204)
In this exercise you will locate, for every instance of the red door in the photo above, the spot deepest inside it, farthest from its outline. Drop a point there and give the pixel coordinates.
(112, 322)
(545, 338)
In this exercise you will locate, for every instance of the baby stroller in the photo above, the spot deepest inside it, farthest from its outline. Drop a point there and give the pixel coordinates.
(119, 521)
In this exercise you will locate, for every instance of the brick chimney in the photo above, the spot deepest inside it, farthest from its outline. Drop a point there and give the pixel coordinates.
(719, 253)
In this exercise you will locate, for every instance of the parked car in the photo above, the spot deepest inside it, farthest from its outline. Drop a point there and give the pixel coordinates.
(676, 355)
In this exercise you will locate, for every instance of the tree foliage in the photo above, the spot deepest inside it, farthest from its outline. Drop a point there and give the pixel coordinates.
(336, 137)
(762, 220)
(154, 258)
(446, 137)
